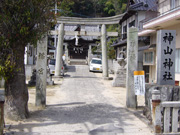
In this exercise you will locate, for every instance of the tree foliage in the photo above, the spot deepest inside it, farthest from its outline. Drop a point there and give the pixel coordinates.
(91, 8)
(65, 7)
(21, 22)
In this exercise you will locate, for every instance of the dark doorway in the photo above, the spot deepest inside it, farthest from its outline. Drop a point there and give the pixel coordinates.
(78, 52)
(146, 70)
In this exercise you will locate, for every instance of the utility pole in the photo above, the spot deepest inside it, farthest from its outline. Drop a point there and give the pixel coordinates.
(55, 36)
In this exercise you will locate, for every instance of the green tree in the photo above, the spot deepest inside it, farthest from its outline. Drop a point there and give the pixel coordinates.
(83, 8)
(120, 6)
(21, 22)
(109, 9)
(65, 7)
(110, 49)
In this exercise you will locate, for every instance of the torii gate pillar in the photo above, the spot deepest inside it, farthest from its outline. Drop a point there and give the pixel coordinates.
(104, 51)
(59, 50)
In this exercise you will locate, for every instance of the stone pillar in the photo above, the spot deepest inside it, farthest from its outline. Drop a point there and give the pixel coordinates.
(66, 53)
(41, 73)
(89, 53)
(104, 51)
(132, 63)
(166, 48)
(59, 50)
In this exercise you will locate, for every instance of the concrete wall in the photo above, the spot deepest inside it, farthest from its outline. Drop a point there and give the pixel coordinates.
(30, 55)
(28, 71)
(153, 39)
(152, 74)
(141, 16)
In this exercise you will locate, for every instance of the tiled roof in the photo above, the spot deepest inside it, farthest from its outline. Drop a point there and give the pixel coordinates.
(144, 5)
(139, 5)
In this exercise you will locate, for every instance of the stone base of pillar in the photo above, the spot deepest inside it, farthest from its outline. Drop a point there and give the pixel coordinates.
(120, 78)
(58, 76)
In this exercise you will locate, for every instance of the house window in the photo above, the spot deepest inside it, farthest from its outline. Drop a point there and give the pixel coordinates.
(124, 29)
(124, 34)
(148, 58)
(177, 62)
(131, 24)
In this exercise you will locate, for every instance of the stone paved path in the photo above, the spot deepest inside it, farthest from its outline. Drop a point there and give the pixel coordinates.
(82, 105)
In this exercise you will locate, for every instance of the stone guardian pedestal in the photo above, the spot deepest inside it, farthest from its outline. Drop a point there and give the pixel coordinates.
(120, 74)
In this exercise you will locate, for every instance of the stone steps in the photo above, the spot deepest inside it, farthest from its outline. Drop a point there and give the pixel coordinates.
(78, 62)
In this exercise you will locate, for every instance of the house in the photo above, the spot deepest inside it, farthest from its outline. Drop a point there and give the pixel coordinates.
(137, 11)
(168, 18)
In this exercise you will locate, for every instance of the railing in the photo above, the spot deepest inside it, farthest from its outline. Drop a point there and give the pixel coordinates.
(168, 5)
(161, 8)
(170, 117)
(165, 115)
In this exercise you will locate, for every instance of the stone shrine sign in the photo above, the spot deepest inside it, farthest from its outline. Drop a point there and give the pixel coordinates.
(166, 40)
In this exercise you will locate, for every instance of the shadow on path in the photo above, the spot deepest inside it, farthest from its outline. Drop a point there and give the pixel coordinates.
(78, 113)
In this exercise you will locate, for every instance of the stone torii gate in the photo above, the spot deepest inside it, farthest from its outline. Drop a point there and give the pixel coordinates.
(84, 21)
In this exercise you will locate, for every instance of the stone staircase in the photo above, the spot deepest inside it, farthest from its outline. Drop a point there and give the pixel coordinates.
(78, 62)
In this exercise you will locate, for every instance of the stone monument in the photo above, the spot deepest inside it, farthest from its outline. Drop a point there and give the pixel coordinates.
(166, 40)
(120, 74)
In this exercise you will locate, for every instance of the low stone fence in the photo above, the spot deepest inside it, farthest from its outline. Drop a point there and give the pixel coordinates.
(165, 115)
(162, 104)
(167, 93)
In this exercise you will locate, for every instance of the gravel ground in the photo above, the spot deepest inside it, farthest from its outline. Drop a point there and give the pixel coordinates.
(81, 103)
